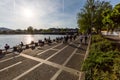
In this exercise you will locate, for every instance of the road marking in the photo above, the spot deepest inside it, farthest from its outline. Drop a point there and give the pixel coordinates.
(80, 75)
(80, 54)
(10, 66)
(60, 70)
(46, 62)
(57, 52)
(55, 49)
(56, 74)
(9, 59)
(31, 57)
(51, 63)
(31, 69)
(49, 49)
(71, 56)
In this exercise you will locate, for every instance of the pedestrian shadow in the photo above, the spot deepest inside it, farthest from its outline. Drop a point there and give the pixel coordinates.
(77, 42)
(81, 48)
(72, 45)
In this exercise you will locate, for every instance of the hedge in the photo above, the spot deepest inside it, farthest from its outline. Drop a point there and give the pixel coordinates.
(103, 62)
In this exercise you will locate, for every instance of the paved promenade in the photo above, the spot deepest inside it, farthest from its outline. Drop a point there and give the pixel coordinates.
(56, 62)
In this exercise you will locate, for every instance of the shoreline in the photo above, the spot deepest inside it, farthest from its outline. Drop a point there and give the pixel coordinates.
(63, 33)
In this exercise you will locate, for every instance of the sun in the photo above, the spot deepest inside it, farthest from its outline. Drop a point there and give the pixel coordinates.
(28, 13)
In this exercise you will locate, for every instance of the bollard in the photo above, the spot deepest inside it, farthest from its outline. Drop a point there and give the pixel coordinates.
(19, 49)
(14, 48)
(32, 47)
(36, 44)
(27, 46)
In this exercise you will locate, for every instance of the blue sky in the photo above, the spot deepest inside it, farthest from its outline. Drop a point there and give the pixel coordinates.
(19, 14)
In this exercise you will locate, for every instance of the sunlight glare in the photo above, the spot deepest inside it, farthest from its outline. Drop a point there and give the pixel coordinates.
(28, 13)
(28, 39)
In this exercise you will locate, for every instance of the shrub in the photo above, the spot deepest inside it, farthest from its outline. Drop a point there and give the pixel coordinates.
(96, 38)
(101, 65)
(104, 46)
(103, 62)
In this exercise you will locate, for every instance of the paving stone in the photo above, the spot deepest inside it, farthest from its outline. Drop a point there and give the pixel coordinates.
(43, 72)
(37, 50)
(60, 47)
(11, 61)
(67, 76)
(17, 70)
(82, 49)
(62, 56)
(32, 52)
(75, 62)
(5, 56)
(46, 54)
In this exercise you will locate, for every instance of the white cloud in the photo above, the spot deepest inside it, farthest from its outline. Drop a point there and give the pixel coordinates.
(48, 13)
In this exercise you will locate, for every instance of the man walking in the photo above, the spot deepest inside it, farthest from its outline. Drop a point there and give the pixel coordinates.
(81, 38)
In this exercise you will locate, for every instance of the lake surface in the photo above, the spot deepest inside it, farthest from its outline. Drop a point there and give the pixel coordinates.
(14, 40)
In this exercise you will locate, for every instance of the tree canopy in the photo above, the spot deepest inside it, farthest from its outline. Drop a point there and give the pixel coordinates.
(97, 15)
(30, 29)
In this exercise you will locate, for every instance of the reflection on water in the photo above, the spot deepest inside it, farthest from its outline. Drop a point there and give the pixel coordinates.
(14, 40)
(28, 39)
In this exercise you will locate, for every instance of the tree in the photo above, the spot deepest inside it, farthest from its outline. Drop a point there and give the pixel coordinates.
(115, 15)
(85, 18)
(100, 7)
(108, 23)
(111, 18)
(90, 16)
(30, 30)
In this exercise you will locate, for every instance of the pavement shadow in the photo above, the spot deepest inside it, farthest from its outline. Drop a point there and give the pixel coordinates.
(83, 47)
(77, 42)
(2, 55)
(72, 45)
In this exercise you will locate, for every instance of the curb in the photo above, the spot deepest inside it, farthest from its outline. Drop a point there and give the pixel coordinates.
(86, 55)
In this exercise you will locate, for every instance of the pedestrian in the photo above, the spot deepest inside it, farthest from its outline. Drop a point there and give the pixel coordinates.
(66, 39)
(81, 38)
(85, 38)
(49, 38)
(70, 37)
(74, 37)
(21, 44)
(6, 47)
(45, 39)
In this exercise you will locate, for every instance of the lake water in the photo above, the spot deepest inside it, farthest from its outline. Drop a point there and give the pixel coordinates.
(14, 40)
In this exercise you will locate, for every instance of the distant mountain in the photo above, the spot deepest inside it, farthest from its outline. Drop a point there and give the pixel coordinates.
(5, 29)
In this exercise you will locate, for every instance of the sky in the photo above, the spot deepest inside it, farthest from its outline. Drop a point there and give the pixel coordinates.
(20, 14)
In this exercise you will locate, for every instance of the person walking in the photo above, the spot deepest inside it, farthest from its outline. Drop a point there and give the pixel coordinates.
(85, 38)
(81, 38)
